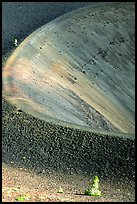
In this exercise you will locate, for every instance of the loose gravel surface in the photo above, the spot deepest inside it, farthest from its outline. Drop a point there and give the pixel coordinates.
(43, 187)
(34, 175)
(20, 181)
(20, 178)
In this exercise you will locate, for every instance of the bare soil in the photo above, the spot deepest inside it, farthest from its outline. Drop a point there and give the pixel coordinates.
(43, 187)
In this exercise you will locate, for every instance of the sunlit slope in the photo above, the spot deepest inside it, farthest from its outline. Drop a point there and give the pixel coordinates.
(78, 69)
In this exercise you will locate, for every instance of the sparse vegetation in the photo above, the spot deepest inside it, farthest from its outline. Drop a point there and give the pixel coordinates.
(15, 42)
(21, 198)
(60, 190)
(94, 189)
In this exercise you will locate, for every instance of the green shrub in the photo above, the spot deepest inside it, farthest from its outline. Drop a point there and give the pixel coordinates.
(94, 189)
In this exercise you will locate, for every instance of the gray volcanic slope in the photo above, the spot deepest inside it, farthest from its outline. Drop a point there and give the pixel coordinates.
(78, 69)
